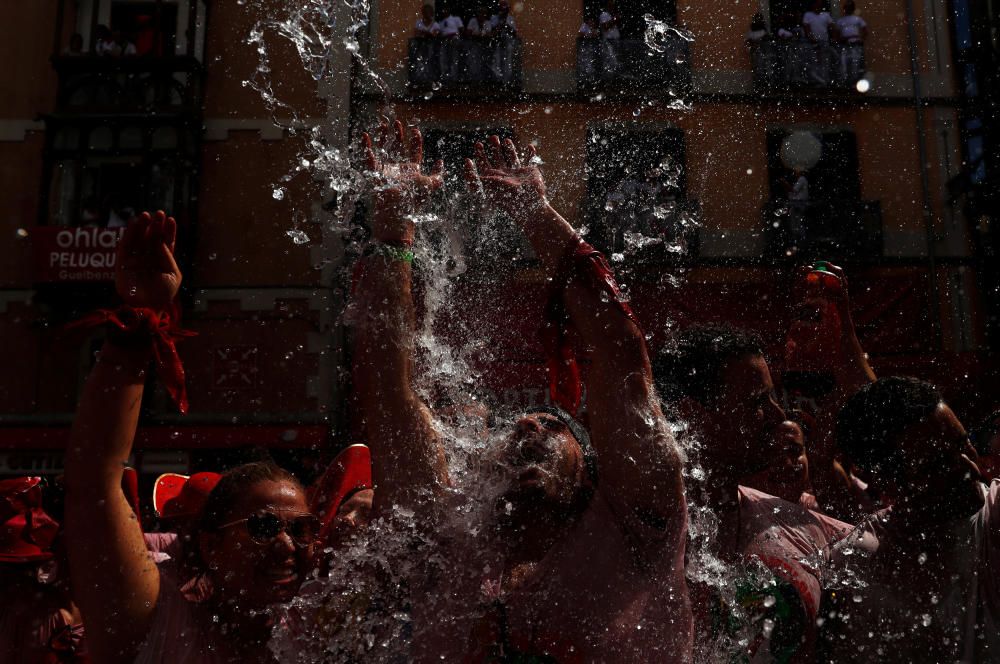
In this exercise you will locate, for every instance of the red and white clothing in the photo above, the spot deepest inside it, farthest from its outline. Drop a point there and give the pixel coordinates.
(934, 598)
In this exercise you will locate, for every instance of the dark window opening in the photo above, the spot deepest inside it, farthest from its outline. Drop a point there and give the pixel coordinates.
(150, 26)
(636, 186)
(834, 175)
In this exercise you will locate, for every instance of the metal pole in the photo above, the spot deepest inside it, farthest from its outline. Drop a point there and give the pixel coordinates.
(925, 187)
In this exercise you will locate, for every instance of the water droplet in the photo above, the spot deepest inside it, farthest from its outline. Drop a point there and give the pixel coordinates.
(278, 193)
(298, 237)
(925, 620)
(21, 233)
(212, 256)
(863, 85)
(769, 601)
(922, 558)
(548, 110)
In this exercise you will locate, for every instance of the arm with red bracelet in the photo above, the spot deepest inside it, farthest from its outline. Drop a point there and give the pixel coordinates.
(115, 581)
(640, 468)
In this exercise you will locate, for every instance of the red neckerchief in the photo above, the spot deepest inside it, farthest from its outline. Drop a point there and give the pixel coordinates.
(160, 328)
(581, 261)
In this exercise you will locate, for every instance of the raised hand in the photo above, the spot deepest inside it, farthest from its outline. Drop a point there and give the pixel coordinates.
(400, 183)
(146, 274)
(507, 183)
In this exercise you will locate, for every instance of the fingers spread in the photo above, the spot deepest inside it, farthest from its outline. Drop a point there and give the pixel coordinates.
(510, 154)
(496, 155)
(416, 146)
(482, 161)
(398, 140)
(170, 234)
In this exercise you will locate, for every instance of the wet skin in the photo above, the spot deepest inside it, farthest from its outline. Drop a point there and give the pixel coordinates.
(254, 575)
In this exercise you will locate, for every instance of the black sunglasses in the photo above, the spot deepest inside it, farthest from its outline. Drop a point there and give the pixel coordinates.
(264, 527)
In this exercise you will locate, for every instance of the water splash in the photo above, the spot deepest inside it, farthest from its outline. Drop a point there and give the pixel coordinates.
(661, 37)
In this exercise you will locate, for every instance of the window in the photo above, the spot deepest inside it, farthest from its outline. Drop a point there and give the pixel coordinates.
(100, 175)
(636, 188)
(150, 26)
(816, 207)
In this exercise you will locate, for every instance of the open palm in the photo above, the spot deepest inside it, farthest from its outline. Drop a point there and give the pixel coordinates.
(146, 274)
(507, 183)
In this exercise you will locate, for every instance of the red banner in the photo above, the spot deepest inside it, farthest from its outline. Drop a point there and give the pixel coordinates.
(74, 254)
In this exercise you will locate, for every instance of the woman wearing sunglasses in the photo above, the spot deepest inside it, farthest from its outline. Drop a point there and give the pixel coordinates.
(254, 540)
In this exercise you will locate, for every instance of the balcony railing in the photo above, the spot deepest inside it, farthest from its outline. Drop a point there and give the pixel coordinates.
(95, 84)
(455, 64)
(796, 63)
(830, 228)
(629, 64)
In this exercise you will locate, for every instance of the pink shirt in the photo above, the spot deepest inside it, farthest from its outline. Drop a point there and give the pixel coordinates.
(941, 603)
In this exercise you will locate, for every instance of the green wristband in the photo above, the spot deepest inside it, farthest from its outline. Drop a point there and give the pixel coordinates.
(395, 253)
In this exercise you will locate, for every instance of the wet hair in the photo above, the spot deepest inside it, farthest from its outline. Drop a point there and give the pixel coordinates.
(579, 432)
(693, 367)
(872, 419)
(233, 484)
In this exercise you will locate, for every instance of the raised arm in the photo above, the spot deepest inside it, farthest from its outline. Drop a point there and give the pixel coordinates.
(115, 582)
(407, 456)
(639, 464)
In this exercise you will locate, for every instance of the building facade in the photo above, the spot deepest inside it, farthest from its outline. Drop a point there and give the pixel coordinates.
(681, 103)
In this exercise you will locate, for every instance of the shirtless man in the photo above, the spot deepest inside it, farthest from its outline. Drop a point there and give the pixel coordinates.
(559, 575)
(929, 562)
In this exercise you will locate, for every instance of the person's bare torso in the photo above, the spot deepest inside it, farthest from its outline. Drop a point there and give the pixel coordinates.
(603, 593)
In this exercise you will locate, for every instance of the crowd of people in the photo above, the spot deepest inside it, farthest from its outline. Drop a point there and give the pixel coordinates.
(818, 49)
(113, 42)
(453, 49)
(861, 530)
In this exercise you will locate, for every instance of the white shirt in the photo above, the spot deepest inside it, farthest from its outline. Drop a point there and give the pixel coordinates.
(612, 32)
(452, 26)
(851, 27)
(819, 25)
(427, 29)
(474, 29)
(800, 190)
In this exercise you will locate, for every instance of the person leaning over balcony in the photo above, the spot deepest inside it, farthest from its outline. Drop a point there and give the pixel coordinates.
(504, 31)
(426, 26)
(852, 31)
(452, 28)
(479, 26)
(818, 25)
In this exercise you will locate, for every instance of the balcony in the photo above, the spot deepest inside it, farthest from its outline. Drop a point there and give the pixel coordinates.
(620, 65)
(455, 65)
(799, 64)
(90, 84)
(826, 228)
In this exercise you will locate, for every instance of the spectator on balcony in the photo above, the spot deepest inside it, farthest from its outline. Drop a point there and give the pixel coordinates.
(797, 188)
(75, 48)
(479, 26)
(588, 49)
(589, 29)
(126, 47)
(851, 32)
(504, 31)
(147, 39)
(818, 25)
(105, 43)
(609, 21)
(452, 53)
(451, 26)
(426, 26)
(788, 26)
